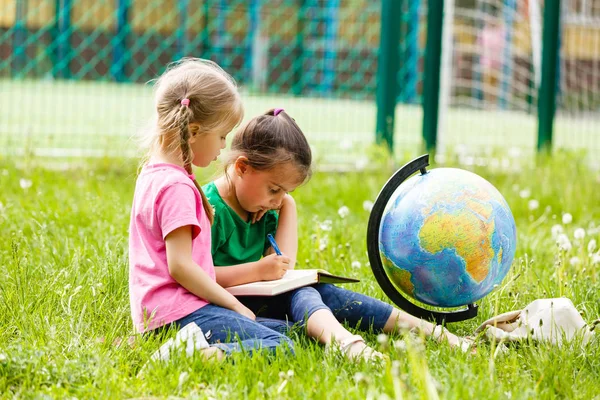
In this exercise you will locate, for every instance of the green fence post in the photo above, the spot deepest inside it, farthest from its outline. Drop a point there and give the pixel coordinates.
(298, 65)
(62, 39)
(20, 39)
(181, 31)
(431, 84)
(547, 92)
(206, 45)
(120, 50)
(387, 71)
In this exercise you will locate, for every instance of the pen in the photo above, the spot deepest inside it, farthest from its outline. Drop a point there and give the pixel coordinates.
(274, 244)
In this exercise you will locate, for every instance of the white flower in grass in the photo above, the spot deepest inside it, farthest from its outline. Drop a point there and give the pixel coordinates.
(356, 264)
(567, 218)
(2, 357)
(183, 377)
(591, 245)
(346, 144)
(361, 163)
(25, 183)
(323, 242)
(579, 233)
(368, 205)
(533, 204)
(574, 261)
(326, 225)
(525, 193)
(563, 242)
(382, 338)
(400, 345)
(514, 152)
(596, 259)
(556, 230)
(343, 212)
(359, 377)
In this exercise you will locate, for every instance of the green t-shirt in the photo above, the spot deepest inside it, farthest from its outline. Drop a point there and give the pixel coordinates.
(235, 241)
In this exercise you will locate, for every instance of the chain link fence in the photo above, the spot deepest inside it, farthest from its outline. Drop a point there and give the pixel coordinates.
(74, 74)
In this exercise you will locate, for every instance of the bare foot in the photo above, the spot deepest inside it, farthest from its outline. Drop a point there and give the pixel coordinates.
(442, 334)
(354, 348)
(213, 354)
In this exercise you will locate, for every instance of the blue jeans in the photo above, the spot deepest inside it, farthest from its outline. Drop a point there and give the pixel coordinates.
(231, 331)
(358, 310)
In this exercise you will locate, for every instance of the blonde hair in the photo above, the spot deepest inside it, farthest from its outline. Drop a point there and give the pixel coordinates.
(214, 103)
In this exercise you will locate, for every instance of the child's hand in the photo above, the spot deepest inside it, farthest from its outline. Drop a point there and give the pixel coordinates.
(288, 201)
(245, 311)
(273, 267)
(255, 217)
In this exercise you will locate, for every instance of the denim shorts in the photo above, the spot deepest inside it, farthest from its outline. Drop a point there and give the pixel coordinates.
(231, 331)
(356, 309)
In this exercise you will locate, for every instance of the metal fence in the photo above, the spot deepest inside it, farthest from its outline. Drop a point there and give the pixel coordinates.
(74, 73)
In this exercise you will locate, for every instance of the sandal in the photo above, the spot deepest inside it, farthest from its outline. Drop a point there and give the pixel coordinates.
(344, 346)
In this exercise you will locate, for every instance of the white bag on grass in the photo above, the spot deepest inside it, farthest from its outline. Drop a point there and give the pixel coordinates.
(549, 320)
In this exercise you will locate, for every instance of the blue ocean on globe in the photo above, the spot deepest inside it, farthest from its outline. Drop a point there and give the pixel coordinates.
(447, 237)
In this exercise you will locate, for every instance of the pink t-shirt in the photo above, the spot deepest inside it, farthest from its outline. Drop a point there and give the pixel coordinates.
(165, 199)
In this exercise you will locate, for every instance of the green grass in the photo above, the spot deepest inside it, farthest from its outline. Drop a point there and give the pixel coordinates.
(63, 285)
(99, 118)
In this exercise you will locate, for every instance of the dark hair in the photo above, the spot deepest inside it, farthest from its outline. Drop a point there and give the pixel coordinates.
(272, 139)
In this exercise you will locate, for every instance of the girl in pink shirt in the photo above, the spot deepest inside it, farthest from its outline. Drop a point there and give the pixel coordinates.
(172, 276)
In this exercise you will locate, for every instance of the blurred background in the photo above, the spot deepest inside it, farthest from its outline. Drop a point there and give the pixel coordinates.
(75, 74)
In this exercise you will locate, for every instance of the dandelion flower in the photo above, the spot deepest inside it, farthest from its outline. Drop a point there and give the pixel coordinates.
(533, 204)
(343, 212)
(367, 205)
(563, 242)
(399, 344)
(556, 230)
(356, 264)
(382, 338)
(25, 183)
(579, 233)
(361, 163)
(574, 261)
(514, 152)
(324, 241)
(525, 193)
(596, 259)
(325, 225)
(359, 377)
(567, 218)
(591, 245)
(346, 144)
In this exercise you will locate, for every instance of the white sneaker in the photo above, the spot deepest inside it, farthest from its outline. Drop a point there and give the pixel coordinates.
(190, 336)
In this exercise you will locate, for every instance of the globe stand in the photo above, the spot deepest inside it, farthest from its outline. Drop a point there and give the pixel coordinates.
(418, 164)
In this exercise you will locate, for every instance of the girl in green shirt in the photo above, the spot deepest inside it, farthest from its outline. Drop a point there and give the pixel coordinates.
(269, 158)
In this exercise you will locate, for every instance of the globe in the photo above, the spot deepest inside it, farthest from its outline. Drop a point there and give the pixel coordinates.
(446, 237)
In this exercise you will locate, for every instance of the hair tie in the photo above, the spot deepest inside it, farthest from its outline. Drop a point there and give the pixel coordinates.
(277, 111)
(185, 102)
